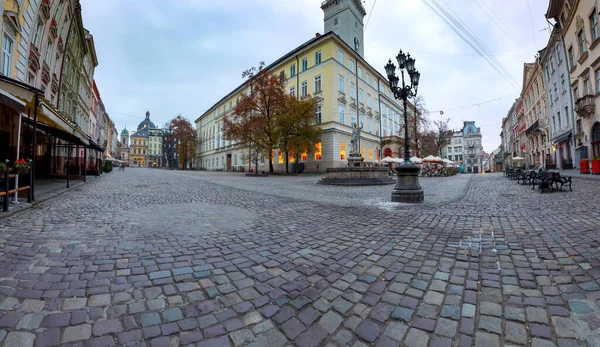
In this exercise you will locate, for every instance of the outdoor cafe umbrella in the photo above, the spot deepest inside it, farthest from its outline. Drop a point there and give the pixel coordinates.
(388, 159)
(113, 159)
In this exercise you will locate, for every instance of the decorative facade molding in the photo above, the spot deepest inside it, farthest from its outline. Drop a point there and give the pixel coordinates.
(45, 73)
(34, 58)
(45, 9)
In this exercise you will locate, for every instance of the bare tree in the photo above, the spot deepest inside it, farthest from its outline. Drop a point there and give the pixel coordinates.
(443, 134)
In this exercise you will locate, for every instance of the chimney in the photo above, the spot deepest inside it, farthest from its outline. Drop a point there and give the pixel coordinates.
(317, 35)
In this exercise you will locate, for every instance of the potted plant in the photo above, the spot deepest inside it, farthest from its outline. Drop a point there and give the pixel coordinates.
(21, 167)
(596, 165)
(3, 168)
(584, 167)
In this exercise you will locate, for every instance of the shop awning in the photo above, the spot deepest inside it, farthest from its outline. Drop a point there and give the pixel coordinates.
(12, 102)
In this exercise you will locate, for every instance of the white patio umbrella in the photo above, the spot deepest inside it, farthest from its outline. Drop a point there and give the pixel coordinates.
(416, 160)
(113, 159)
(388, 159)
(518, 158)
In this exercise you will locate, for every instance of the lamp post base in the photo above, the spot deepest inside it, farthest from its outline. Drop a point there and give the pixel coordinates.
(408, 188)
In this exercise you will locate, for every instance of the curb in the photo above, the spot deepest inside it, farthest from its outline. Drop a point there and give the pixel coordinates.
(43, 199)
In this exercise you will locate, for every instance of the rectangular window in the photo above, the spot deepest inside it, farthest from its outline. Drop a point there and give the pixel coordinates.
(597, 80)
(341, 57)
(48, 54)
(282, 76)
(304, 64)
(562, 83)
(304, 89)
(318, 84)
(352, 90)
(361, 95)
(369, 124)
(37, 35)
(318, 115)
(594, 25)
(576, 93)
(581, 41)
(368, 100)
(318, 57)
(371, 153)
(352, 65)
(558, 117)
(7, 48)
(368, 79)
(567, 114)
(293, 70)
(293, 90)
(352, 117)
(579, 128)
(571, 57)
(341, 84)
(360, 75)
(342, 150)
(587, 86)
(342, 113)
(547, 72)
(551, 64)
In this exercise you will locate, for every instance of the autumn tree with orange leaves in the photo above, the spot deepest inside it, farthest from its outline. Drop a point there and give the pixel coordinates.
(266, 118)
(185, 137)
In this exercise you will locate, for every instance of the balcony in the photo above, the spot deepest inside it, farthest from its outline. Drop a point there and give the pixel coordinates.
(533, 129)
(585, 106)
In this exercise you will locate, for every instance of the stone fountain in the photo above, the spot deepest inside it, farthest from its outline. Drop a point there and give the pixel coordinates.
(356, 174)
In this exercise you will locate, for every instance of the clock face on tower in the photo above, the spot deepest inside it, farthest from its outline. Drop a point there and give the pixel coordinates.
(356, 43)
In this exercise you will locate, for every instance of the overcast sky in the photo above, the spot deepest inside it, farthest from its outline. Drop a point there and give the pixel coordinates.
(181, 56)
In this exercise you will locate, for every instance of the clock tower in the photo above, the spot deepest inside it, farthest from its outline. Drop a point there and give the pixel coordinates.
(345, 18)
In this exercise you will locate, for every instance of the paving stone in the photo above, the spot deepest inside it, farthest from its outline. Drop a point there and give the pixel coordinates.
(395, 331)
(490, 309)
(491, 324)
(536, 315)
(294, 327)
(515, 332)
(30, 321)
(148, 319)
(21, 339)
(99, 300)
(368, 331)
(241, 337)
(486, 339)
(446, 327)
(48, 337)
(81, 332)
(416, 338)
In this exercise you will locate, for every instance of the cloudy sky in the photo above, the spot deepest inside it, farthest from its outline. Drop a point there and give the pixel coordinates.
(181, 56)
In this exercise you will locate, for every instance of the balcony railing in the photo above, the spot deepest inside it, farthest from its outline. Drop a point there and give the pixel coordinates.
(585, 106)
(533, 129)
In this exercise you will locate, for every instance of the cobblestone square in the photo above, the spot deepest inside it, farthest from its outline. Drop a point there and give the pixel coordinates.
(150, 257)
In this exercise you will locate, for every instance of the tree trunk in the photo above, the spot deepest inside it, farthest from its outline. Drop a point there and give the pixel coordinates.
(271, 162)
(287, 156)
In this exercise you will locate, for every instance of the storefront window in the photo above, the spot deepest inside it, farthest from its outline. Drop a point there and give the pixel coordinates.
(342, 150)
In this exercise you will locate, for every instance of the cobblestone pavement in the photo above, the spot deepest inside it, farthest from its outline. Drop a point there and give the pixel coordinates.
(159, 258)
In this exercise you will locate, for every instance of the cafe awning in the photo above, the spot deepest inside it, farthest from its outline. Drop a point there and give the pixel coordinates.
(12, 102)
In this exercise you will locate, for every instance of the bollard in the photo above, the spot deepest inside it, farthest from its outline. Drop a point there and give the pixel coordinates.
(6, 189)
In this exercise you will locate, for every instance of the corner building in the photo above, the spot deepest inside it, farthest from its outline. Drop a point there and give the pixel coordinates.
(331, 68)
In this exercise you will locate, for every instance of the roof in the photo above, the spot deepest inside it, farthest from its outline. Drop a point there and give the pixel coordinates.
(124, 131)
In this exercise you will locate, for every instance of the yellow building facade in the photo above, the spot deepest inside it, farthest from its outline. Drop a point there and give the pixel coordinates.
(347, 88)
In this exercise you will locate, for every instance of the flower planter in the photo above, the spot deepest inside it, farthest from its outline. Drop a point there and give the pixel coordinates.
(21, 170)
(596, 167)
(584, 168)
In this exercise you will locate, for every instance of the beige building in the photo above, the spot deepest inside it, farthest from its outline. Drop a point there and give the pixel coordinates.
(579, 27)
(332, 69)
(533, 94)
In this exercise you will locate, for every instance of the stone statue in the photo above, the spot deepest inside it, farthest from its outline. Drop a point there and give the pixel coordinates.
(356, 138)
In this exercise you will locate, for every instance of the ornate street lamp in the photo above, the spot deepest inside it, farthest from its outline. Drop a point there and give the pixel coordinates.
(408, 188)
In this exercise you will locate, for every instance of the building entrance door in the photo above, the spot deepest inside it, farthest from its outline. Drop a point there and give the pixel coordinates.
(475, 169)
(228, 168)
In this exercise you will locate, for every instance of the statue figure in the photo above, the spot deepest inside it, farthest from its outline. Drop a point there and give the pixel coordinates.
(356, 138)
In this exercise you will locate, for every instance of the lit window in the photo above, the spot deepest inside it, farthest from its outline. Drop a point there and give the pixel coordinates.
(342, 150)
(304, 156)
(318, 151)
(370, 153)
(362, 151)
